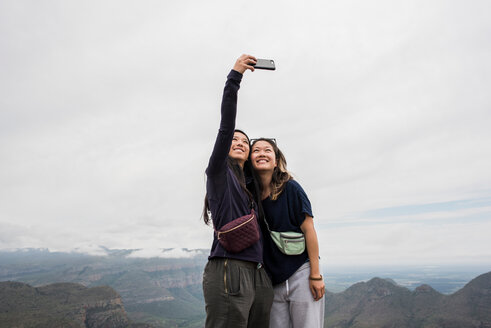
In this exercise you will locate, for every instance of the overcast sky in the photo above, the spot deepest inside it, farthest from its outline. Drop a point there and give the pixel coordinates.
(109, 111)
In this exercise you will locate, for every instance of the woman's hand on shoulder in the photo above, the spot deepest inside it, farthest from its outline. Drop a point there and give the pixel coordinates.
(244, 63)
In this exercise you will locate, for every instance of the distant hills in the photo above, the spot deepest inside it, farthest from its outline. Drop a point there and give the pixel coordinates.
(166, 292)
(382, 303)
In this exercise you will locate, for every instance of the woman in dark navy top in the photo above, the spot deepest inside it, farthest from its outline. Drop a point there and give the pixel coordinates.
(297, 280)
(237, 289)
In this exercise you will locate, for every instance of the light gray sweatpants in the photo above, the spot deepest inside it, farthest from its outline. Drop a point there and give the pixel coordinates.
(294, 305)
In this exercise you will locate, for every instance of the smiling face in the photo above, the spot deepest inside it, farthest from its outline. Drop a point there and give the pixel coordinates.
(239, 150)
(263, 157)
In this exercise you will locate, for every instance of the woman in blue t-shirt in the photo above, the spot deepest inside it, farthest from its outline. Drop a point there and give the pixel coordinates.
(297, 280)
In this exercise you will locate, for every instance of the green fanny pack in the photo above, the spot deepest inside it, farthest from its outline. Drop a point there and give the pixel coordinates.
(288, 242)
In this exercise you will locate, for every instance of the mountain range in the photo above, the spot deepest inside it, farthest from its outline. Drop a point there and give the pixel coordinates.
(382, 303)
(166, 291)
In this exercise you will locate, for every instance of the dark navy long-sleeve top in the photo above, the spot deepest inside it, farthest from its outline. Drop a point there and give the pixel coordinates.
(226, 198)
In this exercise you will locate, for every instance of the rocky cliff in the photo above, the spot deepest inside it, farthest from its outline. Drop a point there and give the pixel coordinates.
(60, 305)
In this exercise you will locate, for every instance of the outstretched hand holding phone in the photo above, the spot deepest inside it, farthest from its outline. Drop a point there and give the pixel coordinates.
(245, 62)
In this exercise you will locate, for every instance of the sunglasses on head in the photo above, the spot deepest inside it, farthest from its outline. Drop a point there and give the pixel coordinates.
(265, 139)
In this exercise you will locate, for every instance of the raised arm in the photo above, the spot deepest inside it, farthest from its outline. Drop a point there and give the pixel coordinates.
(223, 141)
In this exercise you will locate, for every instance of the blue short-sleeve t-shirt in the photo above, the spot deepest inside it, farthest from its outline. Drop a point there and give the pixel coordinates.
(287, 213)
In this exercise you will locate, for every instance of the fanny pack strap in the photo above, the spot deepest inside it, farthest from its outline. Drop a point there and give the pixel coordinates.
(266, 222)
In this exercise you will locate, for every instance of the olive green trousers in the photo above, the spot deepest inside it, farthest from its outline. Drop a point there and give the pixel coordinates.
(237, 294)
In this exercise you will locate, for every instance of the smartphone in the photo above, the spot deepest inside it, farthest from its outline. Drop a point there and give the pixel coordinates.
(265, 64)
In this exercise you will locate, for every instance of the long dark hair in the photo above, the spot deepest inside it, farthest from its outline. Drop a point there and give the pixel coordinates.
(246, 177)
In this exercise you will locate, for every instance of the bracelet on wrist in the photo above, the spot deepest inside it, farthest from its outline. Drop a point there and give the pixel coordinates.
(315, 278)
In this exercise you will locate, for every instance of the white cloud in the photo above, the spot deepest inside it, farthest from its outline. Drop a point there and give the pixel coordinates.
(106, 127)
(170, 253)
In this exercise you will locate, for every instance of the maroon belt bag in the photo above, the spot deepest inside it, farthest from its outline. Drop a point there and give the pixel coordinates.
(239, 234)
